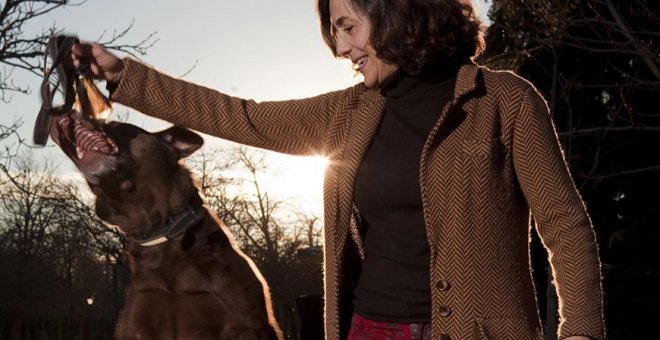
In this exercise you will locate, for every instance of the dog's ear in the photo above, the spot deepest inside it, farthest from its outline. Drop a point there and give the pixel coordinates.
(182, 140)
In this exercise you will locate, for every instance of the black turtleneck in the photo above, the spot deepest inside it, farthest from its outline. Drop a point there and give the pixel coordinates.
(394, 285)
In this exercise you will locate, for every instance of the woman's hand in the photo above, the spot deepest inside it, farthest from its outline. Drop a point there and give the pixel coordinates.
(102, 64)
(577, 337)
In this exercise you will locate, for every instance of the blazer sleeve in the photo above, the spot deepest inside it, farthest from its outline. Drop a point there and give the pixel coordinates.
(300, 126)
(561, 218)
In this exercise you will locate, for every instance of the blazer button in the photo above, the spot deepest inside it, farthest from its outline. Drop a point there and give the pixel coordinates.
(444, 311)
(442, 285)
(443, 336)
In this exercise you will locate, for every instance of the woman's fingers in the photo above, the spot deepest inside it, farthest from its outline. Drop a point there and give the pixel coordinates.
(102, 64)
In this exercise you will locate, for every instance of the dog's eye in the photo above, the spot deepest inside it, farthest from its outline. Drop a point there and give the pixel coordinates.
(126, 185)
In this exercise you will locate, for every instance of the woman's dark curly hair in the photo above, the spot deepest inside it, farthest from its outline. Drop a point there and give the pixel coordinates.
(414, 34)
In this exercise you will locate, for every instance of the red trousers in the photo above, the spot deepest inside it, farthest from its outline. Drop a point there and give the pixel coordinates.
(365, 329)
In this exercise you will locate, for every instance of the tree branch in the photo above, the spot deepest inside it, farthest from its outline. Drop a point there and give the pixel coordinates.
(641, 49)
(622, 173)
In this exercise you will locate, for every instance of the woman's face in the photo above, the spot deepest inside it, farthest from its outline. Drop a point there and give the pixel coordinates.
(352, 32)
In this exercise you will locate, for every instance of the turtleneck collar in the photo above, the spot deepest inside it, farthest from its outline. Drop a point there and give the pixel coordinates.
(401, 83)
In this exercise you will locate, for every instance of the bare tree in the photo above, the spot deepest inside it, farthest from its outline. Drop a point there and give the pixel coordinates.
(25, 222)
(312, 233)
(56, 248)
(26, 53)
(268, 228)
(271, 230)
(23, 52)
(212, 168)
(8, 151)
(580, 50)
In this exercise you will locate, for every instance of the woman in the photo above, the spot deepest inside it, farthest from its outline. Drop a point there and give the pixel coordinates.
(435, 165)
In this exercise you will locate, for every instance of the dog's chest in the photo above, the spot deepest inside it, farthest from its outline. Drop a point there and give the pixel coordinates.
(174, 271)
(186, 280)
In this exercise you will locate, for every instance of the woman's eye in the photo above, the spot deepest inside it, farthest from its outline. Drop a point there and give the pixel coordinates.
(348, 29)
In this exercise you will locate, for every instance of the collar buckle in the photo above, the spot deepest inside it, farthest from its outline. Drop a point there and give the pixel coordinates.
(178, 224)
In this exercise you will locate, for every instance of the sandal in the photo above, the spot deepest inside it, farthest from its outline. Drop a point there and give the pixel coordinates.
(78, 89)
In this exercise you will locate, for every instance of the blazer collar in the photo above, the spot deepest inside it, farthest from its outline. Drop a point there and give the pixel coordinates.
(467, 80)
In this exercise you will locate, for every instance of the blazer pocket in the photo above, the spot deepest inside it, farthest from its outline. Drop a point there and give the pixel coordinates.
(483, 147)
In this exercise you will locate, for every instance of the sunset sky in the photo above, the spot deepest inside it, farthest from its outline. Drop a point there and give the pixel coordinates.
(260, 49)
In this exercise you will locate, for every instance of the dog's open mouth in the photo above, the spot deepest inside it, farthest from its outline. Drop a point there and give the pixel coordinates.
(85, 138)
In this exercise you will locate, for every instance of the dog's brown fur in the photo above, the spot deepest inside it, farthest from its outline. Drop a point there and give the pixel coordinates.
(196, 286)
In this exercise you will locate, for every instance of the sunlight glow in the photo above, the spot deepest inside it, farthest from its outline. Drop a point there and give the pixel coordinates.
(300, 178)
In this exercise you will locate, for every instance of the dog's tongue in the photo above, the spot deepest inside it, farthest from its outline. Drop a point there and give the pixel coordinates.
(88, 139)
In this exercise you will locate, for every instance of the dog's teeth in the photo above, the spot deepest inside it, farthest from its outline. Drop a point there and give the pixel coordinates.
(79, 153)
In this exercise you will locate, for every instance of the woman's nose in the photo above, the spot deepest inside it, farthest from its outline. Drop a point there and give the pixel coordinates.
(342, 48)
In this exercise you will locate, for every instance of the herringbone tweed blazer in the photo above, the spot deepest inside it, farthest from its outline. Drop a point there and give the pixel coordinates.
(491, 159)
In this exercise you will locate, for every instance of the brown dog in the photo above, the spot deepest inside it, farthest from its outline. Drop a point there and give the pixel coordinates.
(189, 280)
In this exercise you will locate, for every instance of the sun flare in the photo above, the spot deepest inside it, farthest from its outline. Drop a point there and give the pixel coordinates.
(302, 179)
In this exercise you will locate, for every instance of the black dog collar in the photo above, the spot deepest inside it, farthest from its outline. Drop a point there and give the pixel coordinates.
(178, 224)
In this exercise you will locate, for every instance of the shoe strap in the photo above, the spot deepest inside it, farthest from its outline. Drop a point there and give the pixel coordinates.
(59, 46)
